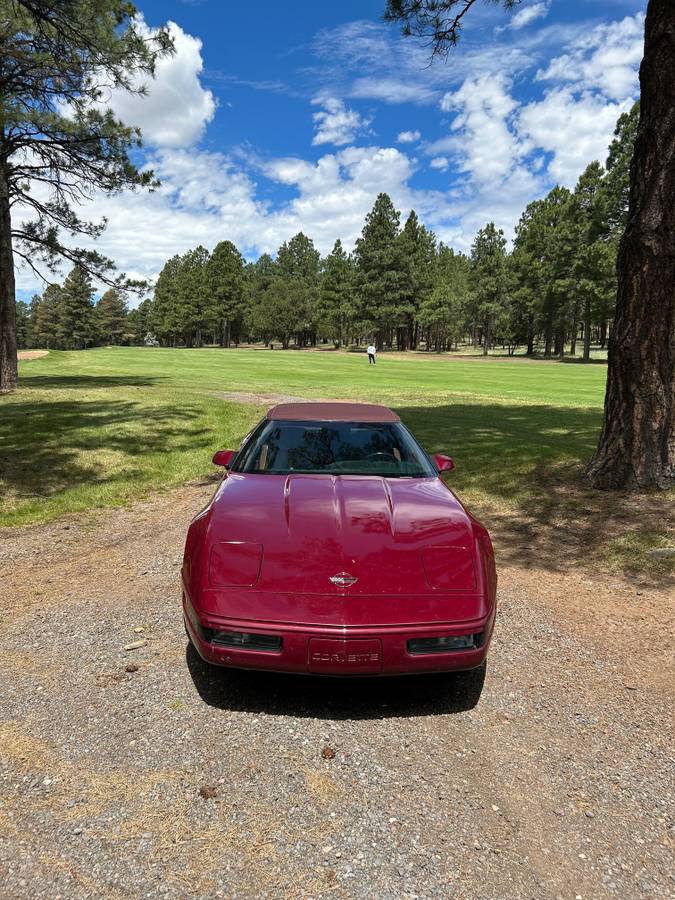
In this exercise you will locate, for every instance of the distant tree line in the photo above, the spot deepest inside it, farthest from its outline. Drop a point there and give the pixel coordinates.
(66, 317)
(400, 287)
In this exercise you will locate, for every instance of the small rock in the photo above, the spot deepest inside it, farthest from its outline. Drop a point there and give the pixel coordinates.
(590, 814)
(134, 645)
(131, 667)
(139, 630)
(661, 552)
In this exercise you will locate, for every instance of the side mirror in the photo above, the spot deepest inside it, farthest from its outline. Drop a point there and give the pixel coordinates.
(223, 458)
(443, 463)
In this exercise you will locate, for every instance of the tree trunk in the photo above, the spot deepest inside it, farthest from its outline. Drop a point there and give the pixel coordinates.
(637, 444)
(587, 330)
(575, 329)
(8, 356)
(548, 336)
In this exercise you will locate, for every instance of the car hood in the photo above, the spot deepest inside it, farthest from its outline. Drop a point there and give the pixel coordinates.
(316, 533)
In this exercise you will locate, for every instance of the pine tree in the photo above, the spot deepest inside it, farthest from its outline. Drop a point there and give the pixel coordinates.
(75, 318)
(299, 261)
(336, 308)
(298, 258)
(225, 285)
(418, 252)
(527, 286)
(111, 317)
(23, 325)
(595, 253)
(32, 319)
(381, 270)
(45, 318)
(57, 143)
(279, 310)
(543, 264)
(443, 311)
(490, 279)
(166, 319)
(198, 317)
(616, 185)
(139, 322)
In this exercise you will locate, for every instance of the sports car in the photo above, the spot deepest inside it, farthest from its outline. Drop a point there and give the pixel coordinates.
(333, 546)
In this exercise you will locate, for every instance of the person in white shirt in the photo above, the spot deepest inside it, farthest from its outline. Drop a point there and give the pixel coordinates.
(371, 354)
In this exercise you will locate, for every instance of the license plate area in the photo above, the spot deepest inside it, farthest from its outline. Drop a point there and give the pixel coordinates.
(331, 656)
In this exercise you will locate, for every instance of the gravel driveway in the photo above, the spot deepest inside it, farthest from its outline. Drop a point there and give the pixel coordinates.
(141, 773)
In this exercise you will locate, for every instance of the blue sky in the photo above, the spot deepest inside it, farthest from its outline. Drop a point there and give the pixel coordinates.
(273, 118)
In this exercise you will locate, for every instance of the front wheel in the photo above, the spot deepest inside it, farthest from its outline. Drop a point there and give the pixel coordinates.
(468, 686)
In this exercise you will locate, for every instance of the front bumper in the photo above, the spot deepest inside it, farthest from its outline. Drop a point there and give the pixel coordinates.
(338, 650)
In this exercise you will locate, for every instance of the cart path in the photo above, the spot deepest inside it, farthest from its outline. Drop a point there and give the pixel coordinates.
(559, 783)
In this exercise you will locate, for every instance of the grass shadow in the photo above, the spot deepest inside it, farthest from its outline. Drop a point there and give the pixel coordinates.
(88, 381)
(49, 446)
(308, 696)
(520, 467)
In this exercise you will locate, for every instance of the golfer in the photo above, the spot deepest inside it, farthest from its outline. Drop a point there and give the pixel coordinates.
(371, 354)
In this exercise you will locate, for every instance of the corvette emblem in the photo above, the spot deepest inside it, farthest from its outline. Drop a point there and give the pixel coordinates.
(343, 579)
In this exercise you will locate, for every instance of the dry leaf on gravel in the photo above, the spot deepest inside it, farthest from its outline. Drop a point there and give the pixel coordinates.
(207, 792)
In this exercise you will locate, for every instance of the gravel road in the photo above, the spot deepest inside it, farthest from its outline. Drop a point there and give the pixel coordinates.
(141, 773)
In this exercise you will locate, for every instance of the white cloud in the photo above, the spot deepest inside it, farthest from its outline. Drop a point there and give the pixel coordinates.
(408, 137)
(204, 198)
(336, 123)
(529, 14)
(369, 61)
(606, 58)
(574, 129)
(392, 90)
(483, 144)
(499, 152)
(334, 195)
(176, 108)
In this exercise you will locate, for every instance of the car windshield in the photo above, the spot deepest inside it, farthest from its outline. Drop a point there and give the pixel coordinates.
(333, 448)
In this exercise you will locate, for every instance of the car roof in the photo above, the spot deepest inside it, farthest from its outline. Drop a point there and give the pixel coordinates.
(332, 412)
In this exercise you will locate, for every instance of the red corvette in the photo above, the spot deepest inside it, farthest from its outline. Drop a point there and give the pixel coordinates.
(332, 546)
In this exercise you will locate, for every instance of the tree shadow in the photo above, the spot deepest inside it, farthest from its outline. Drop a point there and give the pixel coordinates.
(320, 697)
(521, 469)
(88, 381)
(50, 446)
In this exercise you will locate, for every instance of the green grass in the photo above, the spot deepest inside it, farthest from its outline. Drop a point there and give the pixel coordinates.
(101, 427)
(397, 377)
(65, 449)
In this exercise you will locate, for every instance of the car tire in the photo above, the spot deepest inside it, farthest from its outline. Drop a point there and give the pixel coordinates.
(469, 685)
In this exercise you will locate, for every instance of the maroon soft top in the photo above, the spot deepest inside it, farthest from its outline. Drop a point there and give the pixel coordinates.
(332, 412)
